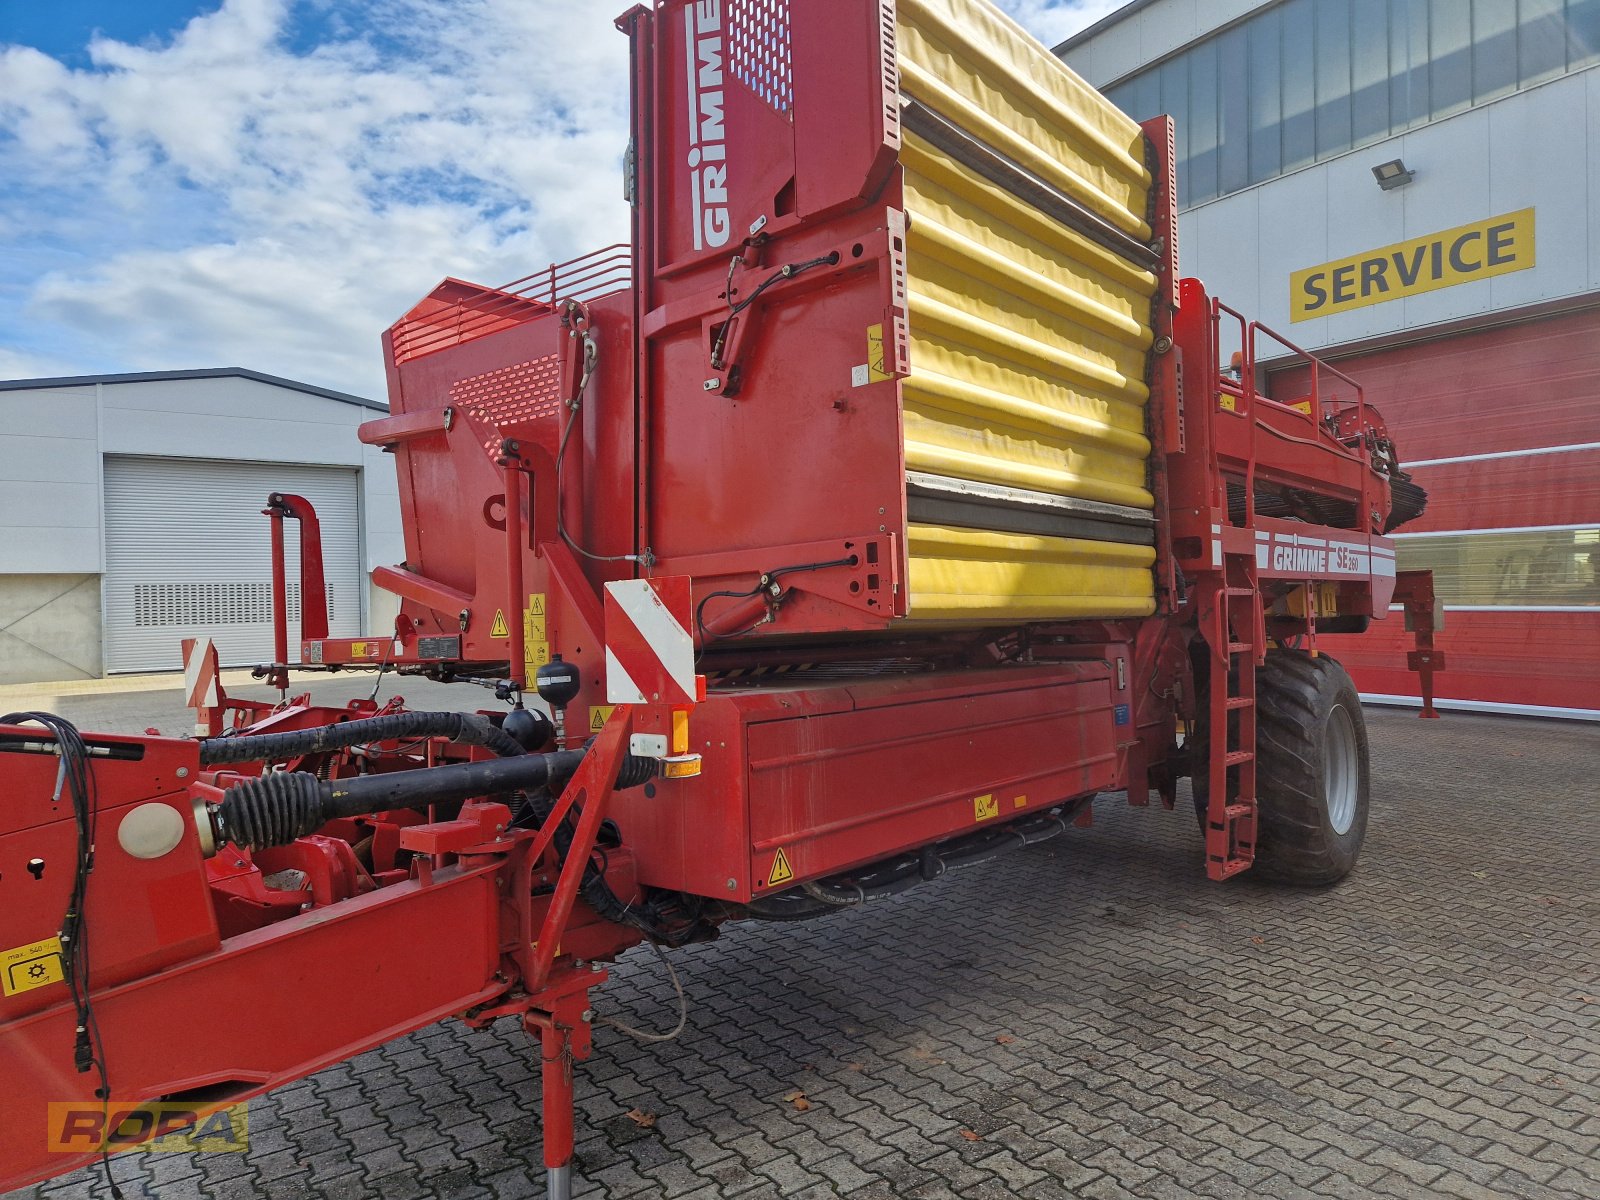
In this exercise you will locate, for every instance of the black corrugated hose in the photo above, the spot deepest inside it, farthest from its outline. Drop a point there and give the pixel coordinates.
(470, 729)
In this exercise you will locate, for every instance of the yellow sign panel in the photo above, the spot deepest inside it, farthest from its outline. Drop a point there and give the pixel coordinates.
(536, 604)
(781, 871)
(875, 371)
(984, 807)
(599, 714)
(32, 966)
(1497, 246)
(499, 628)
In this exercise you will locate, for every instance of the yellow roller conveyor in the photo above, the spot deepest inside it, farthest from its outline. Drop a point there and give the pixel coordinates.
(1028, 337)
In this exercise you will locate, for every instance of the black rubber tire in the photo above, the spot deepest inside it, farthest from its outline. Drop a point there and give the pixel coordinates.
(1296, 842)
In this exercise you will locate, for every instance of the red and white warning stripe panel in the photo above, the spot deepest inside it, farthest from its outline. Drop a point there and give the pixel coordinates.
(199, 673)
(201, 689)
(1305, 556)
(649, 649)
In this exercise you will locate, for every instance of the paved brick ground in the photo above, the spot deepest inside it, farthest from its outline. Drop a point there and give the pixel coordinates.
(1428, 1028)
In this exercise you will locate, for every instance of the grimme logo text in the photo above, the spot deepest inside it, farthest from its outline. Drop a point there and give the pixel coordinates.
(708, 169)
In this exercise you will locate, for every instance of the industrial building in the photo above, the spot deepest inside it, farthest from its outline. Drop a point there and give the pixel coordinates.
(130, 516)
(1412, 189)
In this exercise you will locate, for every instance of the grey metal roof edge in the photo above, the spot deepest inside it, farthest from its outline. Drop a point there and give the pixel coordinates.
(311, 389)
(1100, 26)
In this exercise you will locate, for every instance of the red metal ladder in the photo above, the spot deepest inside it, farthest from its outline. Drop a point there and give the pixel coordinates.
(1238, 631)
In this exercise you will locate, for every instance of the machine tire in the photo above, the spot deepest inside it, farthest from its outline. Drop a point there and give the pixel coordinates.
(1312, 779)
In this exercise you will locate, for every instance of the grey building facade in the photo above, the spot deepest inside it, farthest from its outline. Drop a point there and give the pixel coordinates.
(130, 516)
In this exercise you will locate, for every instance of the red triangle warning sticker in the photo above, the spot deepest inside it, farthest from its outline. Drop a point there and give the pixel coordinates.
(781, 871)
(499, 628)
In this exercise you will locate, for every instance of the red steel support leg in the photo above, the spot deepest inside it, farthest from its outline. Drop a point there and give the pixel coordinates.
(1424, 618)
(279, 678)
(562, 1025)
(555, 1049)
(517, 672)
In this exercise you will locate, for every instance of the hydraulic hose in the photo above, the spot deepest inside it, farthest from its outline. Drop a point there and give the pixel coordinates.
(468, 728)
(819, 897)
(277, 808)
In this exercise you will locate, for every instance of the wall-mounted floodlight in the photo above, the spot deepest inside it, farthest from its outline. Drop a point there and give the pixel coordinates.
(1392, 174)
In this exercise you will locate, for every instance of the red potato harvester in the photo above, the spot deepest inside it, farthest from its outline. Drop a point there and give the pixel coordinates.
(881, 503)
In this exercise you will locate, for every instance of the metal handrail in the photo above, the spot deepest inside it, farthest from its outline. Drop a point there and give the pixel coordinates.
(1246, 391)
(588, 277)
(1318, 365)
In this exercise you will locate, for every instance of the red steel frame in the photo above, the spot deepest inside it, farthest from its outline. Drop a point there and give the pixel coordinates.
(509, 542)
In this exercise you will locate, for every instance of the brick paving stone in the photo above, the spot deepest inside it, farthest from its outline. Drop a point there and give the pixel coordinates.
(1415, 1031)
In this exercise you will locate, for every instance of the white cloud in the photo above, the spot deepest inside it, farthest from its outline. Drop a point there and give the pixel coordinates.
(1053, 21)
(20, 364)
(230, 197)
(336, 186)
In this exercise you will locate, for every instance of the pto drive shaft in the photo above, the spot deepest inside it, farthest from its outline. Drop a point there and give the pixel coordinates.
(275, 809)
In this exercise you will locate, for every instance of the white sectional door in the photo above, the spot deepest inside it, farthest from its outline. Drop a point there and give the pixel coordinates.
(188, 553)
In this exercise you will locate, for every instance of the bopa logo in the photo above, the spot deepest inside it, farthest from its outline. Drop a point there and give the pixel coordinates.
(87, 1127)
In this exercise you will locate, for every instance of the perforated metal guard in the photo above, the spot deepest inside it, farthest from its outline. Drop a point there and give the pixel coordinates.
(525, 391)
(758, 49)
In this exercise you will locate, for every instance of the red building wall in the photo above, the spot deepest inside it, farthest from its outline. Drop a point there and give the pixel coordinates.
(1523, 606)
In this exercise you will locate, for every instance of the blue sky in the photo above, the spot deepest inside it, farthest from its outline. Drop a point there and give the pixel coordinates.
(270, 183)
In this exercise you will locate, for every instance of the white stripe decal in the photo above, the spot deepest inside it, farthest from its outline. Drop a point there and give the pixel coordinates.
(689, 32)
(1591, 609)
(191, 666)
(660, 629)
(620, 687)
(1433, 533)
(1487, 706)
(1576, 447)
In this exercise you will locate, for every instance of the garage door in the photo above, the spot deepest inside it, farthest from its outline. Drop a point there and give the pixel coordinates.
(188, 552)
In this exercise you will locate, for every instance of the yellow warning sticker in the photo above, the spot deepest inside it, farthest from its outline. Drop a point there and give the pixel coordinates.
(358, 649)
(32, 966)
(984, 807)
(536, 604)
(535, 654)
(1020, 802)
(875, 371)
(599, 714)
(533, 628)
(781, 871)
(499, 628)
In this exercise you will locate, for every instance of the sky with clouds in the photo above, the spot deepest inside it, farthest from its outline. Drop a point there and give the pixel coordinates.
(271, 183)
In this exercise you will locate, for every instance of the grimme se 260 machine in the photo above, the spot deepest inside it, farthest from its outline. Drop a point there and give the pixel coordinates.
(884, 501)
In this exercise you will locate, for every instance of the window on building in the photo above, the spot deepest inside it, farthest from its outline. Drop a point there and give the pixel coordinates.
(1545, 568)
(1303, 80)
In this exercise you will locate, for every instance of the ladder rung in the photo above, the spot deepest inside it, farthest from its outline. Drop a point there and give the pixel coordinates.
(1239, 647)
(1239, 702)
(1234, 757)
(1237, 591)
(1235, 811)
